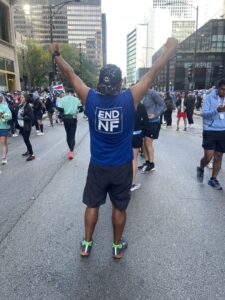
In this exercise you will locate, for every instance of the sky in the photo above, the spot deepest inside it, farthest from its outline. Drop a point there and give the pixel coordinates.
(121, 16)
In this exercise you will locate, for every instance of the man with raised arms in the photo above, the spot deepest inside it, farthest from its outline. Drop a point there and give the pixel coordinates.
(111, 115)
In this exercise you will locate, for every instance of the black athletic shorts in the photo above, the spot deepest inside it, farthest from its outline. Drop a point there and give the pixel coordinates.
(137, 140)
(115, 181)
(152, 130)
(214, 140)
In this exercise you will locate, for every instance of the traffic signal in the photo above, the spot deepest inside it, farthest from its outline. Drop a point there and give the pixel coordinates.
(51, 77)
(220, 71)
(190, 71)
(56, 70)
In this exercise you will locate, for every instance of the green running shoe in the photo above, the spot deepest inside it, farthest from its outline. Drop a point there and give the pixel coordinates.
(118, 250)
(85, 248)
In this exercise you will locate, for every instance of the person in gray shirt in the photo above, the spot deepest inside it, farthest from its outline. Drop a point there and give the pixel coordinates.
(155, 106)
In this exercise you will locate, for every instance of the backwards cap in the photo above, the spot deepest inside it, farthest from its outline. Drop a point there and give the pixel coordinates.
(109, 80)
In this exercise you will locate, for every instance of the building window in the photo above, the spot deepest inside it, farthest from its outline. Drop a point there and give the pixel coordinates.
(2, 64)
(4, 23)
(2, 81)
(9, 65)
(6, 65)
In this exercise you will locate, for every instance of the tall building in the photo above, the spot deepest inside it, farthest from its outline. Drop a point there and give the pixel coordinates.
(182, 28)
(153, 21)
(78, 22)
(136, 52)
(181, 9)
(85, 27)
(9, 72)
(209, 63)
(183, 16)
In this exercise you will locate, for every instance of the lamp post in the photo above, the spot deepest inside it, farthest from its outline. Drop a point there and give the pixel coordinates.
(80, 54)
(195, 49)
(195, 46)
(52, 13)
(147, 53)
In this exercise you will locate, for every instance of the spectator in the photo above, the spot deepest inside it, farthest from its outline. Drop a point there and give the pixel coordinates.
(181, 110)
(5, 116)
(169, 109)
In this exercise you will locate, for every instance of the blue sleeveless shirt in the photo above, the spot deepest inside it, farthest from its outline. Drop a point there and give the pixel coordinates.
(111, 122)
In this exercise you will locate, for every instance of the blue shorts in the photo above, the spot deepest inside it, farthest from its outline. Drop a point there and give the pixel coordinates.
(4, 132)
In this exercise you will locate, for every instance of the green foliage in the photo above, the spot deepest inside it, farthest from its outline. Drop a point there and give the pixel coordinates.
(86, 69)
(38, 65)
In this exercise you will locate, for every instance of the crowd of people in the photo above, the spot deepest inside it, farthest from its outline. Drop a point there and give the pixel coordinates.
(26, 110)
(20, 111)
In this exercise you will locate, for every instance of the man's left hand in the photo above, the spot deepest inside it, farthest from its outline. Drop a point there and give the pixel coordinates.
(53, 47)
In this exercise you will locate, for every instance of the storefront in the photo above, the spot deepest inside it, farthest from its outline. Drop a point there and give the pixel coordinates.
(7, 75)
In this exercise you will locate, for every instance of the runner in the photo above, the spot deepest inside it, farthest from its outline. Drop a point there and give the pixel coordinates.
(111, 118)
(5, 116)
(169, 109)
(213, 134)
(38, 113)
(69, 107)
(181, 110)
(49, 108)
(25, 119)
(155, 106)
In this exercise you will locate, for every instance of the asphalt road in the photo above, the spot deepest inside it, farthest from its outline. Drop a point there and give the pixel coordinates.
(175, 226)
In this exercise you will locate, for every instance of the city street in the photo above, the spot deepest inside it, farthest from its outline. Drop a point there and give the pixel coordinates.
(175, 226)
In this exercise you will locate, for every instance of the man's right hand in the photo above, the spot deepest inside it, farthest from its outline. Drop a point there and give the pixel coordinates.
(221, 108)
(171, 43)
(53, 47)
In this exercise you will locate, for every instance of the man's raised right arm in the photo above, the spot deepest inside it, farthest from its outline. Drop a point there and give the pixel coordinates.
(78, 85)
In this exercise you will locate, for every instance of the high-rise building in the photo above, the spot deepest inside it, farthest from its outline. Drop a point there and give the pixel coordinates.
(181, 9)
(182, 28)
(77, 22)
(153, 20)
(209, 64)
(183, 16)
(136, 52)
(85, 27)
(9, 71)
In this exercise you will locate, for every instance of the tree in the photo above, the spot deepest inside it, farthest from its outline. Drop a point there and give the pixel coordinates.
(86, 69)
(38, 64)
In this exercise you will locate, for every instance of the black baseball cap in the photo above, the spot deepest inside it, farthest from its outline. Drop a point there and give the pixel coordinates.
(110, 78)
